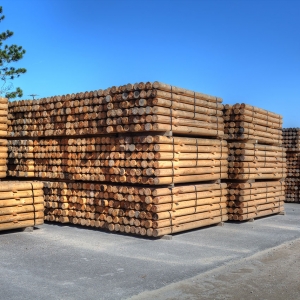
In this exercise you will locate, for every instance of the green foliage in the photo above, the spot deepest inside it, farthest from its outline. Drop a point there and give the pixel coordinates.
(8, 55)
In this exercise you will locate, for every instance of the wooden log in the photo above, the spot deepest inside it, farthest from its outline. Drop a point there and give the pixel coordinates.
(21, 224)
(186, 148)
(181, 91)
(186, 226)
(188, 178)
(22, 201)
(195, 195)
(159, 139)
(187, 163)
(264, 112)
(189, 130)
(176, 121)
(7, 186)
(3, 100)
(255, 191)
(249, 158)
(21, 217)
(242, 204)
(183, 189)
(21, 209)
(188, 156)
(261, 213)
(247, 186)
(259, 170)
(21, 194)
(257, 176)
(251, 146)
(175, 113)
(3, 142)
(185, 219)
(256, 164)
(163, 211)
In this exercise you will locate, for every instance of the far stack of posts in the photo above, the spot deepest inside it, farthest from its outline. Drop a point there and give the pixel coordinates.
(291, 142)
(257, 162)
(144, 158)
(3, 135)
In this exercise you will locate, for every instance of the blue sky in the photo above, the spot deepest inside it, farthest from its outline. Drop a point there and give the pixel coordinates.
(243, 51)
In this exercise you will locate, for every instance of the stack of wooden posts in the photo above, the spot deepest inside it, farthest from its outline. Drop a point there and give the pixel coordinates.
(257, 199)
(3, 134)
(138, 107)
(133, 209)
(3, 116)
(149, 159)
(246, 122)
(21, 204)
(20, 158)
(138, 135)
(291, 139)
(291, 142)
(250, 160)
(3, 158)
(256, 157)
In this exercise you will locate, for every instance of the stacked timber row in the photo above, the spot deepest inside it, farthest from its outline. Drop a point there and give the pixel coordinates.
(250, 160)
(291, 142)
(150, 137)
(150, 159)
(21, 204)
(3, 134)
(133, 209)
(3, 116)
(3, 158)
(137, 107)
(20, 158)
(256, 162)
(246, 122)
(252, 200)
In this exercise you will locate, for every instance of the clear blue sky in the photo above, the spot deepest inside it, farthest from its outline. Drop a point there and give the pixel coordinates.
(244, 51)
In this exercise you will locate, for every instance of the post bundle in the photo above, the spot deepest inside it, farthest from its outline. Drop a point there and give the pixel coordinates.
(3, 134)
(291, 142)
(256, 162)
(252, 200)
(141, 107)
(246, 122)
(145, 159)
(151, 211)
(21, 204)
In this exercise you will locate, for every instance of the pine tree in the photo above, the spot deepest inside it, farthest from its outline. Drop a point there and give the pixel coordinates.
(8, 55)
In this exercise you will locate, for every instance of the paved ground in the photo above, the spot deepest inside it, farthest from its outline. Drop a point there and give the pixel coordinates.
(270, 274)
(67, 262)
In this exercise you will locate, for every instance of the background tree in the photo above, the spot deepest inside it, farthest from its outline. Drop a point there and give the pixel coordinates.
(8, 55)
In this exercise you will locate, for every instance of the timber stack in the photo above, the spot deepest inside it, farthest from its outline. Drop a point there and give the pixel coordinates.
(246, 122)
(151, 211)
(149, 159)
(130, 108)
(291, 142)
(21, 204)
(127, 146)
(256, 162)
(3, 135)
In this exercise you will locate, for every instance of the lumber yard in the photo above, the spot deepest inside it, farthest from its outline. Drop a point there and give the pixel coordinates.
(148, 159)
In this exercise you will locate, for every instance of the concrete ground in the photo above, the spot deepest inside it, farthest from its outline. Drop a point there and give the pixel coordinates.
(250, 260)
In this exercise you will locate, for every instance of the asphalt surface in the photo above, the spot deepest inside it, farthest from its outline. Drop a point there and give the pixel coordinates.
(272, 274)
(69, 262)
